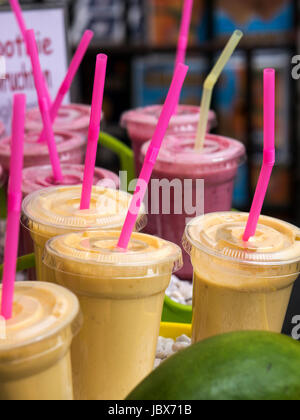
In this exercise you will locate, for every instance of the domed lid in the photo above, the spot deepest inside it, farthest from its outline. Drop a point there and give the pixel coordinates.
(38, 177)
(178, 150)
(40, 310)
(276, 243)
(100, 248)
(70, 117)
(186, 114)
(59, 207)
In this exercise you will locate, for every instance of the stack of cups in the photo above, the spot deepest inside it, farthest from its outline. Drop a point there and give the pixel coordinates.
(141, 123)
(178, 177)
(241, 286)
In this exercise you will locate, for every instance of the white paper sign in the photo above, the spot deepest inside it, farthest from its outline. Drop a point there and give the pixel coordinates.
(49, 26)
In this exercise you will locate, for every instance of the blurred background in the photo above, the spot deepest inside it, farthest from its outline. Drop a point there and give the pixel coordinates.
(140, 38)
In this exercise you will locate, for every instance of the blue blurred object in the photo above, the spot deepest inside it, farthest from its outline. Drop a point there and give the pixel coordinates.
(281, 20)
(241, 189)
(152, 76)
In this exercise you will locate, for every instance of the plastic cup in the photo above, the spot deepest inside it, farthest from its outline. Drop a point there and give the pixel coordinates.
(180, 166)
(70, 147)
(237, 285)
(121, 295)
(73, 117)
(140, 124)
(2, 130)
(35, 361)
(39, 177)
(56, 211)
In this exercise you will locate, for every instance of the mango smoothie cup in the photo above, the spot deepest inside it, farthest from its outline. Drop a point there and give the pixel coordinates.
(121, 295)
(241, 286)
(180, 168)
(140, 124)
(71, 117)
(35, 360)
(55, 211)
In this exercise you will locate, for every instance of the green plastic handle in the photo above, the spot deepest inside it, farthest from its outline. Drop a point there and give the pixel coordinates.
(3, 204)
(124, 153)
(23, 263)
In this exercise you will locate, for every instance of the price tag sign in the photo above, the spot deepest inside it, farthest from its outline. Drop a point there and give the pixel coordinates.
(15, 66)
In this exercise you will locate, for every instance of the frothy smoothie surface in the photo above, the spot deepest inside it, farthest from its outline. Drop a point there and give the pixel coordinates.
(101, 247)
(40, 310)
(60, 207)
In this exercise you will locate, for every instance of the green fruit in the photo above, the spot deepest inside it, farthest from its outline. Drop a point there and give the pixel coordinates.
(236, 366)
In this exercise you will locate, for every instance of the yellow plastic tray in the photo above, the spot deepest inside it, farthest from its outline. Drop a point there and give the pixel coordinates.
(173, 330)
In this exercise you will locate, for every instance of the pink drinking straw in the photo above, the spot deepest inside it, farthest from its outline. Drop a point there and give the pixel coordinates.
(43, 105)
(94, 130)
(269, 154)
(66, 84)
(183, 39)
(14, 206)
(151, 156)
(15, 5)
(184, 32)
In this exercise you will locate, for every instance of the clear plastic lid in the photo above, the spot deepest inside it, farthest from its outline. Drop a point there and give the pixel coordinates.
(70, 117)
(178, 154)
(88, 253)
(59, 207)
(219, 235)
(149, 115)
(40, 311)
(65, 141)
(38, 177)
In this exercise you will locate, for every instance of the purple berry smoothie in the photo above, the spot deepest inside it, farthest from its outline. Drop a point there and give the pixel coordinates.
(74, 117)
(140, 124)
(217, 165)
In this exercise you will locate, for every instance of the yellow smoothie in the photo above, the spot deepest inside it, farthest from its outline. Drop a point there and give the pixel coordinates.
(121, 295)
(238, 285)
(56, 211)
(35, 361)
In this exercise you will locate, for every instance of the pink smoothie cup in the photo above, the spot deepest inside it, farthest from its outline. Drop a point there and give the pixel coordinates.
(39, 177)
(178, 161)
(70, 146)
(2, 130)
(73, 117)
(140, 124)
